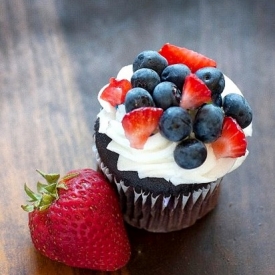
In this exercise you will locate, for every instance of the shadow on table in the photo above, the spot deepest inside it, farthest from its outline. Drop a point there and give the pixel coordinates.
(169, 253)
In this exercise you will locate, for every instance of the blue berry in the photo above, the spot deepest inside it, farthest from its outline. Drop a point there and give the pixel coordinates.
(217, 99)
(208, 123)
(145, 78)
(190, 153)
(136, 98)
(175, 73)
(151, 60)
(213, 78)
(166, 94)
(175, 124)
(236, 106)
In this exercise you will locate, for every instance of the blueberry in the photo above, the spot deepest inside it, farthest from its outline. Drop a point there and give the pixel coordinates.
(217, 99)
(136, 98)
(236, 106)
(175, 124)
(145, 78)
(208, 122)
(175, 73)
(166, 94)
(151, 60)
(190, 153)
(213, 78)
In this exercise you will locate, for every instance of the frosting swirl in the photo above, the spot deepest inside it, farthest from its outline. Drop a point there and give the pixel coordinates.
(156, 158)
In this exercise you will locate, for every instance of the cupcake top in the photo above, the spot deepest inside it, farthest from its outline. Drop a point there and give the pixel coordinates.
(172, 114)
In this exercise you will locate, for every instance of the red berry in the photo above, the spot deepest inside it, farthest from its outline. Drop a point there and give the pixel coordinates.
(77, 221)
(232, 142)
(194, 93)
(192, 59)
(116, 91)
(139, 124)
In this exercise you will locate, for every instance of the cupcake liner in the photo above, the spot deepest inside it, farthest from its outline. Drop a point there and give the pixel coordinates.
(161, 213)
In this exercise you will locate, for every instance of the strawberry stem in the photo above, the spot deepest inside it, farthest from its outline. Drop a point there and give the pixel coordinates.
(46, 193)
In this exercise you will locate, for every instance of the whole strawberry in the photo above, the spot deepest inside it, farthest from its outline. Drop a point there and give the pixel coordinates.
(76, 220)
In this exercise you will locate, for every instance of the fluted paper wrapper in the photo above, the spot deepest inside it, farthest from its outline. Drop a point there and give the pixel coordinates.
(161, 213)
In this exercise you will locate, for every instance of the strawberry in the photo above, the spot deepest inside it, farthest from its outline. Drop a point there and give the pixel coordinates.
(116, 91)
(139, 124)
(232, 142)
(76, 220)
(194, 93)
(192, 59)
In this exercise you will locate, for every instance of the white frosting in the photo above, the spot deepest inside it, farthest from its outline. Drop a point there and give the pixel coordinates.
(156, 158)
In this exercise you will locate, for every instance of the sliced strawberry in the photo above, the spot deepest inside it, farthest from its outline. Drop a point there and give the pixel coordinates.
(232, 142)
(194, 93)
(192, 59)
(139, 124)
(116, 91)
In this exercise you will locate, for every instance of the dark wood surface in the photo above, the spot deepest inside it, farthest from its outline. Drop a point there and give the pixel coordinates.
(56, 55)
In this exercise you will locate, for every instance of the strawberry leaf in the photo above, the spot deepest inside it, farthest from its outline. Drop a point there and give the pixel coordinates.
(50, 178)
(46, 193)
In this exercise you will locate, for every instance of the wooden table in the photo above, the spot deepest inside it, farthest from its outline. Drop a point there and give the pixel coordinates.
(56, 55)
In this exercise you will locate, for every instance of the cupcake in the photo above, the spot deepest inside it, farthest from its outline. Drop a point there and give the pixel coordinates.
(171, 126)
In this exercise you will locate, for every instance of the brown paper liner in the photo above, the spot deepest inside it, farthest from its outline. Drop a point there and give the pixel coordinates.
(160, 213)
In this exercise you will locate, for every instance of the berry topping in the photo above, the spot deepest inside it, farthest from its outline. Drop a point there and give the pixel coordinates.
(166, 94)
(213, 78)
(179, 93)
(77, 220)
(194, 93)
(175, 124)
(146, 79)
(232, 142)
(151, 60)
(190, 153)
(136, 98)
(116, 91)
(236, 106)
(139, 124)
(175, 73)
(208, 123)
(193, 60)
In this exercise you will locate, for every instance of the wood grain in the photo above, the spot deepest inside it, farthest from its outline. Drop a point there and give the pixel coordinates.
(54, 57)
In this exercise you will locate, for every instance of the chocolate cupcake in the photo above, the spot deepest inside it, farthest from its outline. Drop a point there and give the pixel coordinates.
(171, 126)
